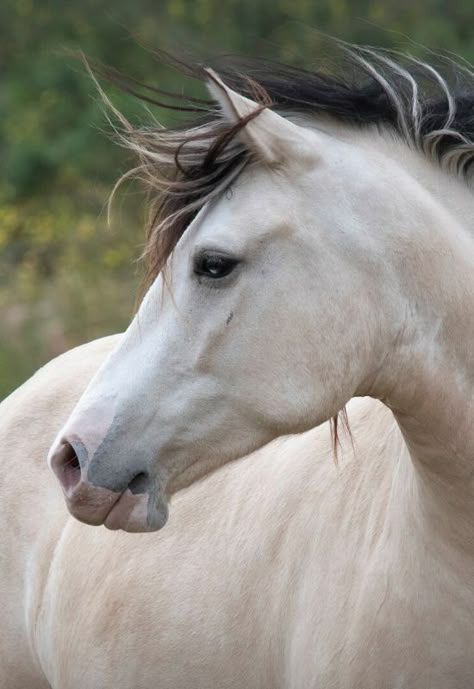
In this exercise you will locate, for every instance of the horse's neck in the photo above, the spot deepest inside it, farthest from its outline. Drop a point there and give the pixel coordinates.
(437, 424)
(430, 388)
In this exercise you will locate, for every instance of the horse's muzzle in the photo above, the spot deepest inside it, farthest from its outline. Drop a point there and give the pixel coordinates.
(126, 509)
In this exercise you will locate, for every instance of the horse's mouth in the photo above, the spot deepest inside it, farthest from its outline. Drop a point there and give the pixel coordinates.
(128, 511)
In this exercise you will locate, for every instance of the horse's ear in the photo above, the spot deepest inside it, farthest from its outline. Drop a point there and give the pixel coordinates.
(267, 134)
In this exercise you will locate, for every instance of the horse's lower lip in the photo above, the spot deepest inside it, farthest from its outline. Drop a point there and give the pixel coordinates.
(128, 513)
(137, 513)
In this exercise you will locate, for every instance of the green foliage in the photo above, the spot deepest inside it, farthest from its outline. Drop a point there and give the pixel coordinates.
(64, 276)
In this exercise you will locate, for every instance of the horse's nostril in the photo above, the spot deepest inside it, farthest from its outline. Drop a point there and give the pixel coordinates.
(140, 484)
(65, 465)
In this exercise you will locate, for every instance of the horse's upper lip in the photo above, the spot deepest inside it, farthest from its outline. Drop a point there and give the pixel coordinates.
(91, 504)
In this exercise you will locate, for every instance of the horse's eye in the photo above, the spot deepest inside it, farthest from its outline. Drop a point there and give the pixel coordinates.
(214, 265)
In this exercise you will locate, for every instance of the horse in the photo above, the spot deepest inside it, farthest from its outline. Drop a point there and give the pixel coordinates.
(312, 248)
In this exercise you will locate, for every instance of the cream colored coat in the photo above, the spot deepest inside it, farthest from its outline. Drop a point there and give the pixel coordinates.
(277, 571)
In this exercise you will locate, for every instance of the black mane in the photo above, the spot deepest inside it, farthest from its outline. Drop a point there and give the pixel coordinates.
(356, 95)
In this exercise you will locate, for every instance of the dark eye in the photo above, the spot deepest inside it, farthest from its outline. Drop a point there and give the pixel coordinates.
(213, 265)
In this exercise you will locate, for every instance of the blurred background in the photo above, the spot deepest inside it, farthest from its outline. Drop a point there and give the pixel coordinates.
(65, 275)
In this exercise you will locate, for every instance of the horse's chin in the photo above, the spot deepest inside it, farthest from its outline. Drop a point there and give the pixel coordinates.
(137, 513)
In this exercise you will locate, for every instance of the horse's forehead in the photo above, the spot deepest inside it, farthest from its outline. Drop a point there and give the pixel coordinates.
(263, 201)
(252, 204)
(254, 187)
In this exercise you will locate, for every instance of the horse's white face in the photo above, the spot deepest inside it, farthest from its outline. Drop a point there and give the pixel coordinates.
(278, 311)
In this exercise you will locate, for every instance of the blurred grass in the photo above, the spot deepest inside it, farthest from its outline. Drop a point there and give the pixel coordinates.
(65, 277)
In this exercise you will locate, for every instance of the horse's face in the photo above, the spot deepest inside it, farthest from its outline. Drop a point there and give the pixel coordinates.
(271, 319)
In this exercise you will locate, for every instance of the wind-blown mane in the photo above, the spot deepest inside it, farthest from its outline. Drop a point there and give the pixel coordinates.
(184, 167)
